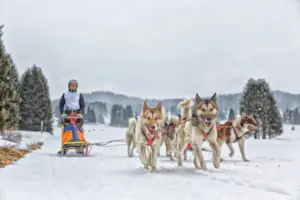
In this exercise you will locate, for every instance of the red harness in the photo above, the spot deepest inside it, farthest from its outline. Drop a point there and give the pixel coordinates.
(234, 130)
(153, 133)
(171, 128)
(189, 146)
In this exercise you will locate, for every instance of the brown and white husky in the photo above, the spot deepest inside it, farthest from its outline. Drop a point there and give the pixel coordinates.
(148, 134)
(202, 126)
(235, 131)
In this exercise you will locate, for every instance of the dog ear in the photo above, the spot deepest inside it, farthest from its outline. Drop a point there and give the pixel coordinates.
(159, 107)
(145, 107)
(214, 97)
(198, 98)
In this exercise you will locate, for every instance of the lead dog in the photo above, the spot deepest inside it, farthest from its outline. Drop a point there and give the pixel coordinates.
(235, 131)
(148, 135)
(203, 127)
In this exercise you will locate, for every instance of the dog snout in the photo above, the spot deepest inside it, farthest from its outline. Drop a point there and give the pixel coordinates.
(208, 119)
(153, 127)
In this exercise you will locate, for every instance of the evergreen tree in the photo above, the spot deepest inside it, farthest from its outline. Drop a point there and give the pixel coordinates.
(128, 114)
(221, 115)
(89, 115)
(231, 115)
(93, 116)
(9, 94)
(36, 103)
(113, 115)
(136, 115)
(173, 110)
(274, 118)
(258, 100)
(287, 116)
(295, 116)
(101, 119)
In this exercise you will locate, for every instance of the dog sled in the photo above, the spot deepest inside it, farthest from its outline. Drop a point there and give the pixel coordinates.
(72, 137)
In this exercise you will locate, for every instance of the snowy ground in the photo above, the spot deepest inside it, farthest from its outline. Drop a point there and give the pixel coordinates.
(28, 138)
(108, 173)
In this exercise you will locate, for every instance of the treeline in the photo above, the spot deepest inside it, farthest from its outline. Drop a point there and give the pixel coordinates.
(25, 101)
(119, 115)
(291, 116)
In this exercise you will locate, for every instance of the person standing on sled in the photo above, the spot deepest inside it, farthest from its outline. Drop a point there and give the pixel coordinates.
(72, 100)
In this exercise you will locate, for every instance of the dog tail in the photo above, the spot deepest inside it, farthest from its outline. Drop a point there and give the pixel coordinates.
(132, 122)
(174, 120)
(185, 107)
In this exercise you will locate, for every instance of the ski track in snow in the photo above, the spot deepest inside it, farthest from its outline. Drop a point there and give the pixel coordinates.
(109, 174)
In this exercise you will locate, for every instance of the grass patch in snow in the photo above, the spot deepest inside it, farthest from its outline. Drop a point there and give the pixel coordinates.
(10, 154)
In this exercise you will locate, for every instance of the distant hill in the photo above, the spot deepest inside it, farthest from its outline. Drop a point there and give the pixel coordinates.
(225, 101)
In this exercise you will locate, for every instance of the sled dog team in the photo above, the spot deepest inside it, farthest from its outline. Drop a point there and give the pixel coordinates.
(186, 132)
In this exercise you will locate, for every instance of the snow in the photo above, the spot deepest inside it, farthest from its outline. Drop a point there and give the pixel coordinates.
(108, 173)
(28, 138)
(6, 143)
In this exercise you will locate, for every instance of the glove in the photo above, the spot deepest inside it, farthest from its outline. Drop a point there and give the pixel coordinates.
(79, 115)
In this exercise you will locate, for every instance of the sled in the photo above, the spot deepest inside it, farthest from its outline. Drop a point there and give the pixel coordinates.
(72, 137)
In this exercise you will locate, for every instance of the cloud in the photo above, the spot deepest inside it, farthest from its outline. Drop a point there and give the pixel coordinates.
(156, 48)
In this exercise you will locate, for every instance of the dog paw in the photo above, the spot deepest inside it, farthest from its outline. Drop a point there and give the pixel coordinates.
(246, 160)
(231, 154)
(216, 164)
(204, 168)
(153, 169)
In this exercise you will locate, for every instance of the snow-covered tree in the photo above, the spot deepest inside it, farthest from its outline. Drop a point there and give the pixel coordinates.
(36, 103)
(231, 115)
(257, 99)
(9, 91)
(274, 119)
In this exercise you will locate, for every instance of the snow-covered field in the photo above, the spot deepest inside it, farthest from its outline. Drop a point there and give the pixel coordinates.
(272, 173)
(28, 138)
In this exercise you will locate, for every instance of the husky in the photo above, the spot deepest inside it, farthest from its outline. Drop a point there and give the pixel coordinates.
(170, 136)
(235, 131)
(202, 126)
(183, 136)
(148, 135)
(131, 137)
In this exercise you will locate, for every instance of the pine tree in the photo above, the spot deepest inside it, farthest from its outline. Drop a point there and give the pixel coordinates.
(113, 115)
(252, 102)
(221, 115)
(231, 115)
(88, 115)
(9, 96)
(36, 103)
(128, 114)
(93, 116)
(258, 100)
(287, 116)
(274, 118)
(296, 116)
(101, 119)
(136, 115)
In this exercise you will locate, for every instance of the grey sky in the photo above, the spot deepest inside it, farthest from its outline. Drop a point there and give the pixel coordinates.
(156, 48)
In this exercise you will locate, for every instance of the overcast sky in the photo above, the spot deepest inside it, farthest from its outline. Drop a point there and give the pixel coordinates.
(156, 48)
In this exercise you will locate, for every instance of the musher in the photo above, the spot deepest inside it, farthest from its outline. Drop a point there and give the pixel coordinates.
(70, 101)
